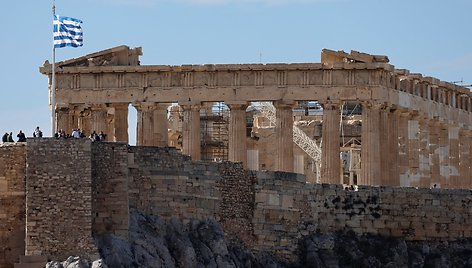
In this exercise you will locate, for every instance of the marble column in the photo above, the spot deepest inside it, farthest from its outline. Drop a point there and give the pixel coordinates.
(284, 136)
(191, 131)
(160, 125)
(403, 148)
(120, 123)
(74, 114)
(443, 155)
(237, 134)
(392, 146)
(465, 159)
(424, 160)
(110, 133)
(84, 121)
(385, 150)
(434, 129)
(62, 118)
(99, 118)
(370, 150)
(413, 174)
(453, 135)
(152, 124)
(330, 150)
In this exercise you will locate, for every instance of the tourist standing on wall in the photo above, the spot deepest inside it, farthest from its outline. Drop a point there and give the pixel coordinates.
(5, 137)
(37, 133)
(10, 137)
(21, 136)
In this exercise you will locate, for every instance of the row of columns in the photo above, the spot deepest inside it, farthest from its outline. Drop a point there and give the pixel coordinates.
(112, 119)
(398, 147)
(152, 127)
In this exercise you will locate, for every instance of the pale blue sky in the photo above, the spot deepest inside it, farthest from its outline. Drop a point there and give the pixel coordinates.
(431, 37)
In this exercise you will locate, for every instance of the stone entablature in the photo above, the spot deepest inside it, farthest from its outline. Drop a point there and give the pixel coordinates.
(376, 82)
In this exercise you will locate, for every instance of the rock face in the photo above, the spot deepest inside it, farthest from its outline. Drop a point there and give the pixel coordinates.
(157, 243)
(350, 250)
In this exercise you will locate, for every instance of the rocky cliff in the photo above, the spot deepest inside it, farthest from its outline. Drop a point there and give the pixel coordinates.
(157, 243)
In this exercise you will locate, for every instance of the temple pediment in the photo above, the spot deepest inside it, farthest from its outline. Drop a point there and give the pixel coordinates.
(116, 56)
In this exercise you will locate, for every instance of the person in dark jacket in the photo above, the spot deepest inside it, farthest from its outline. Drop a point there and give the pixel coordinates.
(5, 137)
(10, 137)
(21, 137)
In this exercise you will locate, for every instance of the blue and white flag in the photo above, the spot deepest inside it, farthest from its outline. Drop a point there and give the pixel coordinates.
(67, 32)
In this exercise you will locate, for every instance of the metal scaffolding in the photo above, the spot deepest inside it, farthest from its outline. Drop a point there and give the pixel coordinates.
(214, 125)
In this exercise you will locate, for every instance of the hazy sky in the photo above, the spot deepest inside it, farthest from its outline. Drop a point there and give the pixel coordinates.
(431, 37)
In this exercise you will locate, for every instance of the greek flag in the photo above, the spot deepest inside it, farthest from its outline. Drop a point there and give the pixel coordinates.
(67, 32)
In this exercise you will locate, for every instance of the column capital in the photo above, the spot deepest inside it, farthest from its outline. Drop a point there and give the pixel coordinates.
(187, 107)
(237, 106)
(280, 104)
(331, 105)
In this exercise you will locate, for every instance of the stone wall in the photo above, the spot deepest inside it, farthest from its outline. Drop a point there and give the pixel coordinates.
(59, 198)
(164, 182)
(288, 209)
(12, 202)
(75, 187)
(110, 204)
(237, 201)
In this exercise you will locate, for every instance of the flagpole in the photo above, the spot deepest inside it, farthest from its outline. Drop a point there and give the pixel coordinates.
(53, 83)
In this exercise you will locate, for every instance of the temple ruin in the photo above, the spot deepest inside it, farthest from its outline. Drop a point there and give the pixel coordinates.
(352, 119)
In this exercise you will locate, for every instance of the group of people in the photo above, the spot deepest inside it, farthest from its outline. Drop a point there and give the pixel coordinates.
(8, 137)
(77, 133)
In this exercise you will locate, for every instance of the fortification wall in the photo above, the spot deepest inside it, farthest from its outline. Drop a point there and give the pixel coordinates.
(287, 208)
(75, 187)
(12, 202)
(110, 202)
(166, 183)
(59, 198)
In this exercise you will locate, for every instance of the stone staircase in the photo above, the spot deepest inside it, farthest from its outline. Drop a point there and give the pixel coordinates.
(32, 262)
(305, 143)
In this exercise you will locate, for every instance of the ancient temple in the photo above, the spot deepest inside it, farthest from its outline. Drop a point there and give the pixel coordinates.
(413, 130)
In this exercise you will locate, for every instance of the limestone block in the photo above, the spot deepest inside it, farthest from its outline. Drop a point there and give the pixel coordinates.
(273, 199)
(287, 201)
(3, 185)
